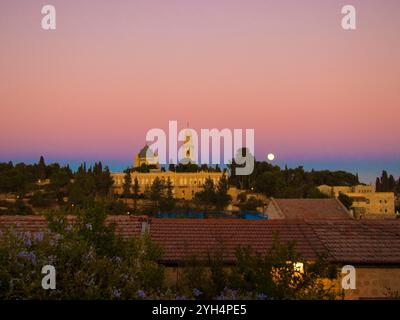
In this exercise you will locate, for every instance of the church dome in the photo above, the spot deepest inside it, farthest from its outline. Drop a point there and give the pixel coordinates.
(146, 152)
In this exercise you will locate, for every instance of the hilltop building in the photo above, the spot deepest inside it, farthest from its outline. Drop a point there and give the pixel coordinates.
(366, 202)
(185, 184)
(147, 157)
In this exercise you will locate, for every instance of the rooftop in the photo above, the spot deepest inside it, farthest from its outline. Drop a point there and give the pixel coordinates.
(310, 209)
(366, 242)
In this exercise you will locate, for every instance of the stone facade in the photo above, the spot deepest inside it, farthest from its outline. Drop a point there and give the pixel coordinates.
(375, 204)
(366, 202)
(185, 184)
(336, 190)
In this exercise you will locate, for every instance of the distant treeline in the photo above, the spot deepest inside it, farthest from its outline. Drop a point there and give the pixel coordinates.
(95, 181)
(290, 183)
(47, 186)
(21, 178)
(387, 183)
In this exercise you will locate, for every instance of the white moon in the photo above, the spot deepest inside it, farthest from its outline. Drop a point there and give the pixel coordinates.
(270, 156)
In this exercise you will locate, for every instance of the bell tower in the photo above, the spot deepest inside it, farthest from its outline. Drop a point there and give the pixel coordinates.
(188, 148)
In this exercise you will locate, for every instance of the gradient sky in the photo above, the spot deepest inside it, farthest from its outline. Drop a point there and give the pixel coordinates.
(315, 94)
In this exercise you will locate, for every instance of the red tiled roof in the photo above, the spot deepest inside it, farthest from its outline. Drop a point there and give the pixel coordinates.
(126, 226)
(360, 242)
(182, 238)
(24, 223)
(346, 241)
(311, 208)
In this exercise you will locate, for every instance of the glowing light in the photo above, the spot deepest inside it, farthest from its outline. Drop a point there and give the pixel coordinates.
(270, 156)
(299, 267)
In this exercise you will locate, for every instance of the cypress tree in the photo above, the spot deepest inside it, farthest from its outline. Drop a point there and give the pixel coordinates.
(41, 168)
(127, 183)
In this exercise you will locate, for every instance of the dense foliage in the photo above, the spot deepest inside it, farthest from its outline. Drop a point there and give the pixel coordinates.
(289, 183)
(214, 196)
(280, 273)
(345, 200)
(248, 203)
(44, 186)
(21, 178)
(387, 183)
(92, 262)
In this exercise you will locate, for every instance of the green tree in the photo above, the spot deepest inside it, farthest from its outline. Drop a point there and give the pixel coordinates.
(345, 200)
(391, 184)
(222, 198)
(126, 187)
(276, 273)
(169, 201)
(378, 186)
(59, 183)
(41, 167)
(207, 195)
(270, 184)
(136, 188)
(39, 200)
(91, 260)
(157, 192)
(251, 204)
(314, 193)
(242, 197)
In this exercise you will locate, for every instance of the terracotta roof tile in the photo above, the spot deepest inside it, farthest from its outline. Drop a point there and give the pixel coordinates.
(126, 226)
(346, 241)
(311, 209)
(182, 238)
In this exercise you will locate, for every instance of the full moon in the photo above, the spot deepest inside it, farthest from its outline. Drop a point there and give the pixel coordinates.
(270, 156)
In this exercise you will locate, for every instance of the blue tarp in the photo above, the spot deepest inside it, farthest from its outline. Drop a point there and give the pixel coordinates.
(249, 215)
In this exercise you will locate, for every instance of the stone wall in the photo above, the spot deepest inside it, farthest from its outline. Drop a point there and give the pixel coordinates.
(373, 283)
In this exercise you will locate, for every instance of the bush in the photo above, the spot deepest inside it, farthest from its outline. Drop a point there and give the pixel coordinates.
(273, 275)
(39, 200)
(91, 261)
(16, 208)
(251, 204)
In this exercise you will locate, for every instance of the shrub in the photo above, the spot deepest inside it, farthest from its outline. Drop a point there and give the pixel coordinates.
(91, 261)
(273, 275)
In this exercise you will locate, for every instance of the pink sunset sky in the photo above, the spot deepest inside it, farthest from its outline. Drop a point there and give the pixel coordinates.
(315, 94)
